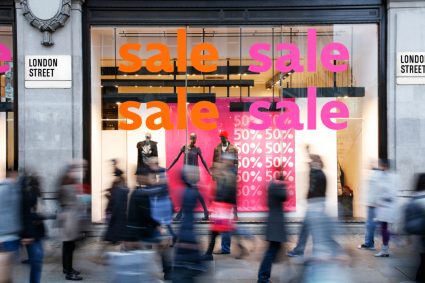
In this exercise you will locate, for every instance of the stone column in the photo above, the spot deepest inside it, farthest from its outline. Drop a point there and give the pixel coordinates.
(406, 103)
(50, 120)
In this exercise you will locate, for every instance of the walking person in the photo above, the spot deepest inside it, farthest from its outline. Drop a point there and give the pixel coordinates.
(33, 231)
(315, 198)
(386, 204)
(10, 224)
(69, 217)
(371, 193)
(187, 260)
(275, 229)
(141, 224)
(225, 201)
(415, 223)
(116, 209)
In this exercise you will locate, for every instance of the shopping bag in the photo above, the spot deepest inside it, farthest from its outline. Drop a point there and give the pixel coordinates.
(5, 267)
(222, 217)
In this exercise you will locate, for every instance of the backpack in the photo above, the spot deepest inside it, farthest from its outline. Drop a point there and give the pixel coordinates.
(414, 218)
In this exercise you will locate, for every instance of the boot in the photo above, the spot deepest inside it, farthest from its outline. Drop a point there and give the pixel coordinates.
(384, 252)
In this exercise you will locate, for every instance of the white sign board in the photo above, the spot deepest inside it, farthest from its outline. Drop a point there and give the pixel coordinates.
(411, 68)
(48, 71)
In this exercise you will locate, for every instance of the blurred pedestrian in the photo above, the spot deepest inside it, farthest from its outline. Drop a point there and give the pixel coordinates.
(371, 194)
(10, 224)
(187, 260)
(275, 227)
(386, 204)
(415, 222)
(116, 210)
(69, 217)
(33, 231)
(225, 148)
(141, 225)
(225, 201)
(316, 201)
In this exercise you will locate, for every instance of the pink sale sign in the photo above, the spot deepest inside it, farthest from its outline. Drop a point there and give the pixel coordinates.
(261, 153)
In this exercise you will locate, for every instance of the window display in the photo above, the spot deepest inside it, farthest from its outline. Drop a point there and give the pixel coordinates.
(150, 99)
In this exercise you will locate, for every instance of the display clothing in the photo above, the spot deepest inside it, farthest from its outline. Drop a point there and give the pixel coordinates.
(227, 148)
(145, 150)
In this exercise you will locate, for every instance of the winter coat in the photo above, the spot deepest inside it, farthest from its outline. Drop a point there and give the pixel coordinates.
(69, 217)
(317, 185)
(32, 222)
(140, 224)
(372, 184)
(386, 197)
(275, 228)
(118, 214)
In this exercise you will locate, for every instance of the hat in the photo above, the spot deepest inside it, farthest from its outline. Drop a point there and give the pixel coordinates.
(223, 133)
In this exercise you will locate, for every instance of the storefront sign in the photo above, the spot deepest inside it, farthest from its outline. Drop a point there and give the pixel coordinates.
(48, 71)
(411, 68)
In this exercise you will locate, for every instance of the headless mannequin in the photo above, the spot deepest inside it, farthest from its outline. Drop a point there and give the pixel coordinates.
(191, 153)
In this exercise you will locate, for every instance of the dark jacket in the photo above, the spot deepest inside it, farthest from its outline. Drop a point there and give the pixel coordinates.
(140, 224)
(231, 149)
(317, 186)
(275, 229)
(117, 207)
(32, 223)
(187, 254)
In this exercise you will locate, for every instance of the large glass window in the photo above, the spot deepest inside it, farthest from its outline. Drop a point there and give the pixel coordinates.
(260, 153)
(7, 144)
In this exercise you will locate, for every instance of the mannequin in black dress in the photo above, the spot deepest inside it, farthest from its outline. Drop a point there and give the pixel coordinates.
(191, 153)
(145, 150)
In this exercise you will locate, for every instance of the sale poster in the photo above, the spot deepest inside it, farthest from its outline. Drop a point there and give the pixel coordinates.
(261, 154)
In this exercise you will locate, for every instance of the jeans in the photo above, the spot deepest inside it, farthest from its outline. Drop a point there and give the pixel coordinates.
(302, 238)
(226, 240)
(266, 265)
(370, 227)
(35, 257)
(321, 227)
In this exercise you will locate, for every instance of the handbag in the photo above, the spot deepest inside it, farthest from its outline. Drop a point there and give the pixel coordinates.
(414, 217)
(222, 217)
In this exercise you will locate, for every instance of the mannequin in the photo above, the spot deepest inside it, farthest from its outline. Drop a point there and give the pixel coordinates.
(145, 150)
(191, 153)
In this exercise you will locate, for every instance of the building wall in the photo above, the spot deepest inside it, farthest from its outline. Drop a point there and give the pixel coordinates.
(50, 120)
(406, 103)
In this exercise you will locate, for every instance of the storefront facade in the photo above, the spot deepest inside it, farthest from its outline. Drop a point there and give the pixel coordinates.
(83, 121)
(234, 27)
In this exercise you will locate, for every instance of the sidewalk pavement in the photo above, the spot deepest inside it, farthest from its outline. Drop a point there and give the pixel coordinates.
(363, 266)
